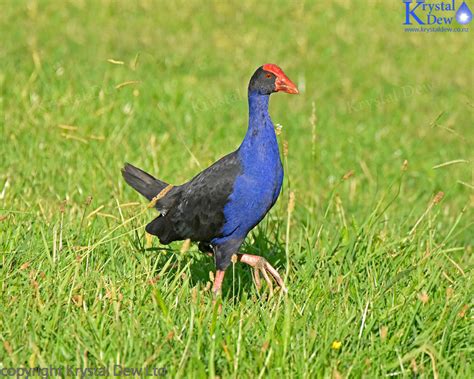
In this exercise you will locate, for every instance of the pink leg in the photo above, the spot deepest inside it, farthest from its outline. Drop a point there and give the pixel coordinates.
(260, 265)
(218, 282)
(216, 289)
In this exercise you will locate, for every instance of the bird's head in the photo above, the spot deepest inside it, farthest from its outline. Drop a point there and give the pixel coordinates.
(270, 78)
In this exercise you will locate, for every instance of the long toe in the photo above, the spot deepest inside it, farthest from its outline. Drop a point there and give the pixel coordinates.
(261, 265)
(276, 276)
(256, 277)
(267, 279)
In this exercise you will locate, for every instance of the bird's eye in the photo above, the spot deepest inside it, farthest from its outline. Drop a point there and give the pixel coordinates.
(268, 76)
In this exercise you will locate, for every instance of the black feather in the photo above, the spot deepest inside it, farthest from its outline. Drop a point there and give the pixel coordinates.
(197, 208)
(194, 210)
(142, 182)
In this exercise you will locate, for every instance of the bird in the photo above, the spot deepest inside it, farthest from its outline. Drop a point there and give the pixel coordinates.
(219, 206)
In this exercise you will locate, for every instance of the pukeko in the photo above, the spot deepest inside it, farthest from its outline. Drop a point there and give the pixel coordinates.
(223, 203)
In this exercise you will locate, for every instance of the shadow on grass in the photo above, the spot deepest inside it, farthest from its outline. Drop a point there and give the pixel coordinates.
(200, 264)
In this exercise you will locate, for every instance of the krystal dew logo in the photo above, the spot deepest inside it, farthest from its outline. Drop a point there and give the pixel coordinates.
(439, 14)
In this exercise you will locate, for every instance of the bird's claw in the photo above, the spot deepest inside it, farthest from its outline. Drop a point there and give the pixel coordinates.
(274, 273)
(267, 279)
(261, 266)
(256, 278)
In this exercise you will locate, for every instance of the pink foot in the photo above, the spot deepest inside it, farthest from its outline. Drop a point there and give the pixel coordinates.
(260, 265)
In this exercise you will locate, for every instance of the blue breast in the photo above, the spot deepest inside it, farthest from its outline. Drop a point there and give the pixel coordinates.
(257, 187)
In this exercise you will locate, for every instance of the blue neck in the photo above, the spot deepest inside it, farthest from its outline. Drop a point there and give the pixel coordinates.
(261, 132)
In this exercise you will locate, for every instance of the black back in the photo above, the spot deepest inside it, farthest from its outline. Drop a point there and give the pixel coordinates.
(195, 210)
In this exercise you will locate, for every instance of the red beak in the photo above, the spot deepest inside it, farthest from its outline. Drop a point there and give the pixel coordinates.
(282, 82)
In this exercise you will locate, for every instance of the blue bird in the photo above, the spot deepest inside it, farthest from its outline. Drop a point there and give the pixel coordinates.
(223, 203)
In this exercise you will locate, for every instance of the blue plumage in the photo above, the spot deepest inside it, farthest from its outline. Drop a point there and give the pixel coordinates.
(257, 187)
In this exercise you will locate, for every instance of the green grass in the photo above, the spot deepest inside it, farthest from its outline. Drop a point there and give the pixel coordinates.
(371, 261)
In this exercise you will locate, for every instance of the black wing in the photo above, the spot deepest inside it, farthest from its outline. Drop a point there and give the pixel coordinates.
(195, 210)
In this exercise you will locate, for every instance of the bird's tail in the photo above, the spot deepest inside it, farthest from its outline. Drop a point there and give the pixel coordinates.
(142, 182)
